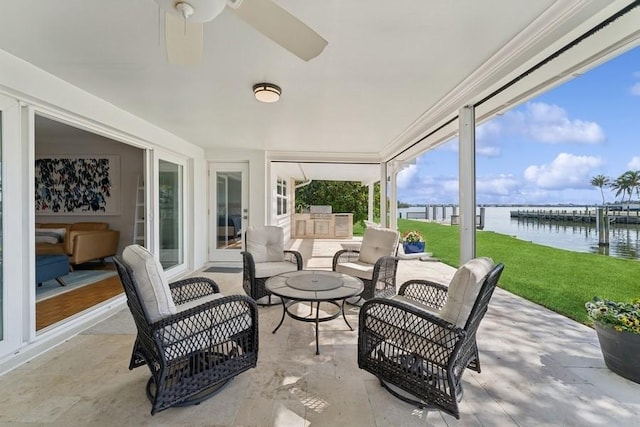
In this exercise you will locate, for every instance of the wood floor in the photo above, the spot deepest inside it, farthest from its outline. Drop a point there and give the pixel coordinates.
(55, 309)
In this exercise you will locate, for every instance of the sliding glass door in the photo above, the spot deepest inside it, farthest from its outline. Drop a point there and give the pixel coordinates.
(171, 211)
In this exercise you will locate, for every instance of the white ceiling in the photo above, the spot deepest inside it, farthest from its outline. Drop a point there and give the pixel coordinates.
(389, 66)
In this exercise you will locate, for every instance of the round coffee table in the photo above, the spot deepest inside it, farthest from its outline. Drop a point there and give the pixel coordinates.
(314, 286)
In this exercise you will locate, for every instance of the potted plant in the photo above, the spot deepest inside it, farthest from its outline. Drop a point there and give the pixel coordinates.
(413, 242)
(618, 328)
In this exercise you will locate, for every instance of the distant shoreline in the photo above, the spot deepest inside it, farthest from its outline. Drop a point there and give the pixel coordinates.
(631, 205)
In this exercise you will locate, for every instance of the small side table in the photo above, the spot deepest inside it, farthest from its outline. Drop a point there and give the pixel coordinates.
(314, 286)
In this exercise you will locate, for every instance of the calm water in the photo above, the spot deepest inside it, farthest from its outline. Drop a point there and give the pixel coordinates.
(624, 240)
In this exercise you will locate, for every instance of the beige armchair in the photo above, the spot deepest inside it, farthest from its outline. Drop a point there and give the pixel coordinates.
(263, 258)
(81, 241)
(420, 342)
(375, 263)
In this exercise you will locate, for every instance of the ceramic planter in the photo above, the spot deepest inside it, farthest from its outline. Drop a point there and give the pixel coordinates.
(413, 247)
(620, 351)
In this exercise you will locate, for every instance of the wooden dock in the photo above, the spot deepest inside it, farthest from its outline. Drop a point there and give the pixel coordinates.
(576, 216)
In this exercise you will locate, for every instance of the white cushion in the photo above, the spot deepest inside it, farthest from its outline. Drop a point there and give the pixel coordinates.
(265, 244)
(270, 269)
(356, 269)
(50, 235)
(198, 301)
(463, 290)
(416, 304)
(376, 243)
(203, 335)
(152, 285)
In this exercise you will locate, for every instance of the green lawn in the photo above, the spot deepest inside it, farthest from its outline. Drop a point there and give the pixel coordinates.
(555, 278)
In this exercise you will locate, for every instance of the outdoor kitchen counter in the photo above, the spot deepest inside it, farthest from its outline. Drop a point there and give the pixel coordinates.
(322, 226)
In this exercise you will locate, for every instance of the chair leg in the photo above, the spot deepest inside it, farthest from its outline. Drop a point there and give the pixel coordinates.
(193, 400)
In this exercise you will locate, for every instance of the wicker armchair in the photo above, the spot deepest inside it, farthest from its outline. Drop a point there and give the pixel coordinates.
(375, 263)
(419, 343)
(265, 257)
(193, 339)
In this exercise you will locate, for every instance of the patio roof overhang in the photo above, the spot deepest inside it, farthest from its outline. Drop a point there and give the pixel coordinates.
(391, 75)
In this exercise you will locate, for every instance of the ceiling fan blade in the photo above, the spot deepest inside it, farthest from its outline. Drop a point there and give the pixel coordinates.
(184, 44)
(280, 26)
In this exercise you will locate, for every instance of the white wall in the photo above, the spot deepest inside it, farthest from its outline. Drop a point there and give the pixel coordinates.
(47, 95)
(131, 166)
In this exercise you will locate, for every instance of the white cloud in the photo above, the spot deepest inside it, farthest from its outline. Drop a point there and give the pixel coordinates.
(565, 171)
(407, 176)
(430, 189)
(501, 185)
(444, 189)
(488, 151)
(537, 121)
(550, 123)
(634, 163)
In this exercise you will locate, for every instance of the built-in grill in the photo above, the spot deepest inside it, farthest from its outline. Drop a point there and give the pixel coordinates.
(320, 211)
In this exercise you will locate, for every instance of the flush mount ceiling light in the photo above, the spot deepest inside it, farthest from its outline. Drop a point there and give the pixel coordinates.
(267, 92)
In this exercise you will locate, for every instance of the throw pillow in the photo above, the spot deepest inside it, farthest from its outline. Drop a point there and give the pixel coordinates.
(376, 243)
(50, 235)
(151, 283)
(463, 290)
(265, 244)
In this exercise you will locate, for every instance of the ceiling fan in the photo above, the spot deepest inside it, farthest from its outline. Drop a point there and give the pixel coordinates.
(184, 27)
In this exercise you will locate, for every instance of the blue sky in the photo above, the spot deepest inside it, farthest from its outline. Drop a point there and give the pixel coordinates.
(547, 149)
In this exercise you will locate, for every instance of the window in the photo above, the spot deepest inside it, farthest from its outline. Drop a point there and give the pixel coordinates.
(282, 198)
(171, 208)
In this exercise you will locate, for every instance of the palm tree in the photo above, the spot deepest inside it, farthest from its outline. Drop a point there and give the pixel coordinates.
(621, 185)
(626, 184)
(634, 182)
(601, 181)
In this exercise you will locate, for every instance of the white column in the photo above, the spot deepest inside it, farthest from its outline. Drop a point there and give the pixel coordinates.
(370, 206)
(383, 194)
(393, 196)
(467, 182)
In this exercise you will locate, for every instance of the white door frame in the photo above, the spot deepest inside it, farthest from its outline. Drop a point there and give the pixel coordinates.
(152, 194)
(227, 256)
(16, 310)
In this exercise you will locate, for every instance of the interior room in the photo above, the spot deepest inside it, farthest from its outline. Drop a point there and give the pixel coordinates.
(62, 152)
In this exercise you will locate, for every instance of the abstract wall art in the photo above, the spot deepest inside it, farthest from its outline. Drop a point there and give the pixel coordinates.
(77, 185)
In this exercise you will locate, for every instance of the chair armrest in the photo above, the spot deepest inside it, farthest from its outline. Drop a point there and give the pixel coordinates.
(212, 322)
(426, 292)
(294, 257)
(409, 328)
(248, 272)
(385, 266)
(345, 255)
(192, 288)
(87, 245)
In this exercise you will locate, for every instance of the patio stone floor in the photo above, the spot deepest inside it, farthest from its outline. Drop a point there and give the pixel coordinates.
(538, 369)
